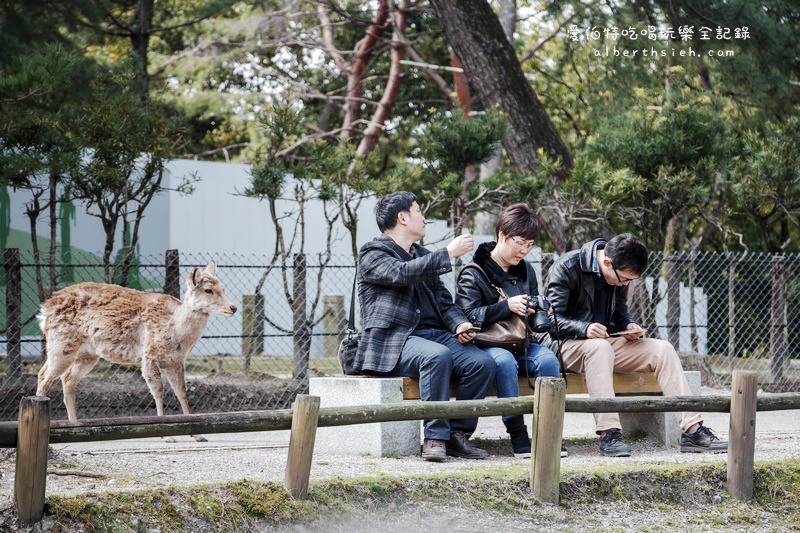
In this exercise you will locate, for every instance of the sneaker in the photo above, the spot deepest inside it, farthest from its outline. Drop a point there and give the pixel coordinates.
(521, 444)
(434, 450)
(459, 446)
(564, 452)
(613, 444)
(702, 440)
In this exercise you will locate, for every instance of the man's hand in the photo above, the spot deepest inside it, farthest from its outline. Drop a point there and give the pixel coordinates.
(460, 245)
(519, 305)
(464, 333)
(634, 336)
(596, 331)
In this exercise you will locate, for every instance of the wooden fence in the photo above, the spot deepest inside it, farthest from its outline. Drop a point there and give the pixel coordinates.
(34, 430)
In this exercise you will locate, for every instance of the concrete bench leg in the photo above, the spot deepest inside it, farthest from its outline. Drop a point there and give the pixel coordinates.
(379, 439)
(661, 426)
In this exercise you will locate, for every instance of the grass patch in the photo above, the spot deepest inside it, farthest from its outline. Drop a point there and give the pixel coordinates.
(667, 490)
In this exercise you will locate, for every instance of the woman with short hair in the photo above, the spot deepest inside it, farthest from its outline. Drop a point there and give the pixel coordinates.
(503, 270)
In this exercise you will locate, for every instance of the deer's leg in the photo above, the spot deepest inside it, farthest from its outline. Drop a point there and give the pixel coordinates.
(58, 362)
(175, 376)
(178, 384)
(69, 381)
(152, 376)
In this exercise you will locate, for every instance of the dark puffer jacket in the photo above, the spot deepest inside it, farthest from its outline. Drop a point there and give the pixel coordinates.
(570, 289)
(475, 294)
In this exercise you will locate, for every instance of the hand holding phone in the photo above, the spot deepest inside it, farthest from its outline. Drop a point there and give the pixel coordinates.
(473, 329)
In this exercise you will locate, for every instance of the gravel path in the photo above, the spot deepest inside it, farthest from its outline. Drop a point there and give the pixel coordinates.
(148, 463)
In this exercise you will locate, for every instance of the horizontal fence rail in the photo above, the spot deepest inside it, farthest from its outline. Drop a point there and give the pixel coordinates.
(101, 429)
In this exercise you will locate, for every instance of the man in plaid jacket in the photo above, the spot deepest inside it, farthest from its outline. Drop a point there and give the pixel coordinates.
(412, 328)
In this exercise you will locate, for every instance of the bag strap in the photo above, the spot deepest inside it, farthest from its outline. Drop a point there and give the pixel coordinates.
(476, 266)
(351, 321)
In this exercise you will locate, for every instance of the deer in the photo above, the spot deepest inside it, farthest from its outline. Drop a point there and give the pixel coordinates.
(88, 321)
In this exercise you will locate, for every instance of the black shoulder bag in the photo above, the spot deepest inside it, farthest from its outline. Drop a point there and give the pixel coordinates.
(349, 345)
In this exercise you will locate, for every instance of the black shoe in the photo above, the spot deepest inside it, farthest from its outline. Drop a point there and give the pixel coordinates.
(521, 444)
(564, 451)
(459, 446)
(702, 440)
(613, 444)
(434, 450)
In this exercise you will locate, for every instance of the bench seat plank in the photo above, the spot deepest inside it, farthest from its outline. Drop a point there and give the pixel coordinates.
(631, 383)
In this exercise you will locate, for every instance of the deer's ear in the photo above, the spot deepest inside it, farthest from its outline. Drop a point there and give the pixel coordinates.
(194, 278)
(211, 268)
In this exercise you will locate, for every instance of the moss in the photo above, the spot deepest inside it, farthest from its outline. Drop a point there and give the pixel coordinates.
(503, 491)
(119, 511)
(264, 501)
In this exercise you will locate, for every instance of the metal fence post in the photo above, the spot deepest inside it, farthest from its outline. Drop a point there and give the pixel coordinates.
(778, 333)
(172, 279)
(13, 268)
(300, 329)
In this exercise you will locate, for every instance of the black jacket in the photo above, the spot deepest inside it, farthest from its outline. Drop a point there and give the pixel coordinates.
(475, 294)
(570, 289)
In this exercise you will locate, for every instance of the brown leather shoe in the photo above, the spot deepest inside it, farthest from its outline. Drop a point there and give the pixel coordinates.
(459, 446)
(434, 450)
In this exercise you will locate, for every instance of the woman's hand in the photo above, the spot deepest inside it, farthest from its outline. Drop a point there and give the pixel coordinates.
(519, 305)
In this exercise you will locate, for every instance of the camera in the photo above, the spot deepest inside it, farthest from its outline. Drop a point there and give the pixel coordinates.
(541, 321)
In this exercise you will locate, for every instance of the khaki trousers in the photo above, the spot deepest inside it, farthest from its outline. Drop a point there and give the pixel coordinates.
(598, 359)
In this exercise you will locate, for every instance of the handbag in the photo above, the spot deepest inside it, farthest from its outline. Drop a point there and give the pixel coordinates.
(348, 348)
(512, 333)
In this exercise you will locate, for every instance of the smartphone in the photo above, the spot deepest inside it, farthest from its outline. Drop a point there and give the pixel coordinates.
(473, 328)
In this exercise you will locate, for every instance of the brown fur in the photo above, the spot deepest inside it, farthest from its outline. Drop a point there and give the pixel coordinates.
(87, 321)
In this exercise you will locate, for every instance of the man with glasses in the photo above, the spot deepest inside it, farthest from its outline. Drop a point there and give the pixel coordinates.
(588, 291)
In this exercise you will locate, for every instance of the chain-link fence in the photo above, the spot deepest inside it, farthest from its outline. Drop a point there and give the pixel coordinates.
(735, 311)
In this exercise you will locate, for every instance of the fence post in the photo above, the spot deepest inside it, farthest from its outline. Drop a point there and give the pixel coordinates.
(741, 440)
(731, 312)
(778, 332)
(333, 323)
(305, 414)
(302, 339)
(548, 423)
(172, 279)
(13, 268)
(673, 268)
(252, 326)
(33, 437)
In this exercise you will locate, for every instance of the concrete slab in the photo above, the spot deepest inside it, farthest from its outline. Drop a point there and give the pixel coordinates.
(380, 439)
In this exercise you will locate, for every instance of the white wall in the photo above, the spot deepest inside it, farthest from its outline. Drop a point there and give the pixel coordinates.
(215, 219)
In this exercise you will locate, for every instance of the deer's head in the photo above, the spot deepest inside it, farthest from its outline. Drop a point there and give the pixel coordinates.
(205, 293)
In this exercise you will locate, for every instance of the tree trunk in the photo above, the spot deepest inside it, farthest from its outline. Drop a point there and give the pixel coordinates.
(493, 69)
(140, 40)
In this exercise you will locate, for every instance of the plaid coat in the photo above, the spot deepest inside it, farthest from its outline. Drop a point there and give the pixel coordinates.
(387, 285)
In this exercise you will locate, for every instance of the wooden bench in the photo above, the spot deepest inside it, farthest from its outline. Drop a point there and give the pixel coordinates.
(403, 438)
(633, 383)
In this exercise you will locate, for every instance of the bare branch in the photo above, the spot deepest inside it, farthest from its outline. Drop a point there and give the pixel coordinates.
(544, 41)
(327, 37)
(384, 109)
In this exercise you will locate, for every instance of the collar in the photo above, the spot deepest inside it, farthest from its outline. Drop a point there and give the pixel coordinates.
(598, 245)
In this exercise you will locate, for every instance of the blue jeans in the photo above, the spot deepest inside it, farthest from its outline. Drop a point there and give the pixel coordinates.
(541, 361)
(432, 356)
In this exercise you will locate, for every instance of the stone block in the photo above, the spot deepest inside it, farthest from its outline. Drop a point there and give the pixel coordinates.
(378, 439)
(661, 426)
